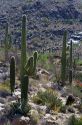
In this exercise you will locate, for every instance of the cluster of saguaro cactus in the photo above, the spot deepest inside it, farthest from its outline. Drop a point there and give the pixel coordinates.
(63, 60)
(12, 74)
(28, 68)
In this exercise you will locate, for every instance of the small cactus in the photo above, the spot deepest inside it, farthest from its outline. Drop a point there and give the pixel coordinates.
(12, 74)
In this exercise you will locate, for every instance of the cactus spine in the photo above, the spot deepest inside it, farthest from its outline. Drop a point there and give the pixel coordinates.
(70, 61)
(63, 60)
(12, 74)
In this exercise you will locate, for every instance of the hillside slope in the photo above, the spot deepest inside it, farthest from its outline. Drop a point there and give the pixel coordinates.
(47, 19)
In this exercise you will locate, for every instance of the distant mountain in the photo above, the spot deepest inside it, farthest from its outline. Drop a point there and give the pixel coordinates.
(47, 19)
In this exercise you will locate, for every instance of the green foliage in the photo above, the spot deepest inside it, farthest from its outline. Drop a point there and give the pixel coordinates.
(15, 109)
(44, 61)
(74, 121)
(79, 62)
(78, 76)
(12, 74)
(76, 91)
(48, 98)
(63, 60)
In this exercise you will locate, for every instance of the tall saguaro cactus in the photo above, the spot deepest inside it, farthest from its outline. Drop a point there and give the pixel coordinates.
(27, 67)
(23, 46)
(6, 42)
(12, 74)
(70, 65)
(63, 60)
(23, 63)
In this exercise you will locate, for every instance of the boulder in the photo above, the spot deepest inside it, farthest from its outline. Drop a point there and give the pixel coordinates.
(70, 100)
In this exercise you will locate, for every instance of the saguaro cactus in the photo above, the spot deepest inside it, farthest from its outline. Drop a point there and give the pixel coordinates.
(63, 60)
(23, 47)
(27, 67)
(24, 81)
(24, 92)
(6, 42)
(35, 59)
(70, 65)
(12, 74)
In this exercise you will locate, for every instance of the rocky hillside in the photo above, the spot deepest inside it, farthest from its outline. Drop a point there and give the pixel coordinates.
(47, 19)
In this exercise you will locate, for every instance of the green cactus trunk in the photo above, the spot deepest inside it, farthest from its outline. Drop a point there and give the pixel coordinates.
(6, 42)
(24, 92)
(35, 60)
(24, 79)
(63, 60)
(23, 47)
(70, 61)
(12, 74)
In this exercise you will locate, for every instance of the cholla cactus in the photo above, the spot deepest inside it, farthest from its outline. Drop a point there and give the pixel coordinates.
(12, 74)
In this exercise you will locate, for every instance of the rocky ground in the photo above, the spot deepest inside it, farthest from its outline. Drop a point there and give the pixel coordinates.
(40, 114)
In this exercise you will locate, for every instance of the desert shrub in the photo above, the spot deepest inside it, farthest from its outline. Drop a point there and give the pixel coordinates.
(49, 98)
(79, 62)
(15, 109)
(44, 61)
(74, 121)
